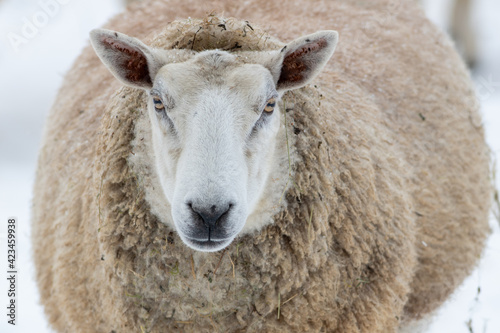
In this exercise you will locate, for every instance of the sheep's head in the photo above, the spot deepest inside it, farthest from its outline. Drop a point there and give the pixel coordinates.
(214, 120)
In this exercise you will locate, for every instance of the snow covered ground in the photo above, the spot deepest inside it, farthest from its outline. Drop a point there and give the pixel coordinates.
(32, 68)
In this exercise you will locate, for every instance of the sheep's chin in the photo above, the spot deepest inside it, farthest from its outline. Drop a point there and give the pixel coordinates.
(206, 246)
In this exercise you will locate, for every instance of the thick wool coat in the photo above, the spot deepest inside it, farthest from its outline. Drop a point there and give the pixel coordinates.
(387, 217)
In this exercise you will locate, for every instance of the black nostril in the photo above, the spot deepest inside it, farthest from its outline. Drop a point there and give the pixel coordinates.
(210, 215)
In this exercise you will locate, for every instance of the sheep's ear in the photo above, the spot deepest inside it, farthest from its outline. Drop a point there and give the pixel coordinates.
(303, 59)
(127, 58)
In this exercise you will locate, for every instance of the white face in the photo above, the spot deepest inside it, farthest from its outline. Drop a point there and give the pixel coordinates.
(214, 121)
(213, 139)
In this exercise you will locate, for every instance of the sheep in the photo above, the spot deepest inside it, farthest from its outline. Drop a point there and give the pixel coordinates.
(374, 207)
(463, 31)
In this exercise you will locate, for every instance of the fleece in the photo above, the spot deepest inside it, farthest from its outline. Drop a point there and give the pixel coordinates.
(387, 215)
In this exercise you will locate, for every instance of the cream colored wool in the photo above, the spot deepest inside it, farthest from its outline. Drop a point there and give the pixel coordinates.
(389, 157)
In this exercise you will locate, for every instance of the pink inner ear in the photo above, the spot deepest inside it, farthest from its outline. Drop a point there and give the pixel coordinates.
(295, 64)
(132, 61)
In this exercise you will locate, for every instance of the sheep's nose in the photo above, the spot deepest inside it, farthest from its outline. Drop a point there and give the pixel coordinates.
(210, 215)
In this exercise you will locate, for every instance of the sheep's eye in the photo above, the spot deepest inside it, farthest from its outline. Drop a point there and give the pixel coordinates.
(158, 104)
(271, 103)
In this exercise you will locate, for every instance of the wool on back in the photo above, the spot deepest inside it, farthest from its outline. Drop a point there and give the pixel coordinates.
(387, 217)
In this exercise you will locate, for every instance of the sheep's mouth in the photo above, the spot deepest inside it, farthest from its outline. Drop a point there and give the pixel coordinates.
(207, 245)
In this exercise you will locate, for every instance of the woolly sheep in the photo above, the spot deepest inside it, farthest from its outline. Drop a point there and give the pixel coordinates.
(373, 211)
(463, 30)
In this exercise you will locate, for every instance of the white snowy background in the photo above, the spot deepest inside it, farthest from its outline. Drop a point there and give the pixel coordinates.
(29, 79)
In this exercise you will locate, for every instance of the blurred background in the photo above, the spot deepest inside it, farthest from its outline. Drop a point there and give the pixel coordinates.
(39, 40)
